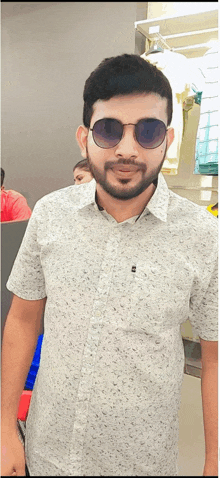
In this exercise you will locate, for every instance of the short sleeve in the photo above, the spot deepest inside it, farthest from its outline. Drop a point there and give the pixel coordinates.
(204, 315)
(26, 279)
(20, 210)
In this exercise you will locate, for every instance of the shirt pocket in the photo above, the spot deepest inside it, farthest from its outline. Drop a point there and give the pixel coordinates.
(160, 296)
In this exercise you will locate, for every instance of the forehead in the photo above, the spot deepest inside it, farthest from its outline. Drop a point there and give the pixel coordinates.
(131, 108)
(79, 171)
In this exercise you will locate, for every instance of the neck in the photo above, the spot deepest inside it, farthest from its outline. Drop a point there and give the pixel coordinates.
(121, 209)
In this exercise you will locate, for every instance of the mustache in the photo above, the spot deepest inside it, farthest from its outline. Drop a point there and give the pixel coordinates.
(111, 164)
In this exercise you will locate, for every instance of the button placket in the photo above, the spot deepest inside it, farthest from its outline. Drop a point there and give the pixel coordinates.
(90, 351)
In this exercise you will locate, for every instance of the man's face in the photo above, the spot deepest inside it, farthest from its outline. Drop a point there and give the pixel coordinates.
(82, 176)
(145, 164)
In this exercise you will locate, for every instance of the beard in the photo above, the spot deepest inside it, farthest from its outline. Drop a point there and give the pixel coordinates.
(122, 193)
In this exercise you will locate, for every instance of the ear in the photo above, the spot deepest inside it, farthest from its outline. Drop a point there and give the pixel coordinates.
(170, 137)
(81, 137)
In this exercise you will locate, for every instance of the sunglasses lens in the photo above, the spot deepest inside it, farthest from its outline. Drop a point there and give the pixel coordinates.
(107, 132)
(150, 133)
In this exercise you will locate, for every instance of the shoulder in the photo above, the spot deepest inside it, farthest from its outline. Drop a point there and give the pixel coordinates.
(13, 198)
(58, 195)
(193, 217)
(10, 193)
(70, 197)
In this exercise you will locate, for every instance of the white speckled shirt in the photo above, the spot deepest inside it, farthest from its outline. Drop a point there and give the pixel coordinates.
(107, 394)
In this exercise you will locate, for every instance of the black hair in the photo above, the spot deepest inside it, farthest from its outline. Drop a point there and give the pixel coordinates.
(124, 75)
(2, 176)
(83, 164)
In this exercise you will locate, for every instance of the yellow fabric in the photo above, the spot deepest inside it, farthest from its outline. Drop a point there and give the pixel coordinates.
(215, 212)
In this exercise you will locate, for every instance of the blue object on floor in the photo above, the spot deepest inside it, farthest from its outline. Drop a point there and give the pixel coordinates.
(29, 384)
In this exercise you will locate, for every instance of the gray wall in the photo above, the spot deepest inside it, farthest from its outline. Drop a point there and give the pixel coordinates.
(48, 51)
(11, 236)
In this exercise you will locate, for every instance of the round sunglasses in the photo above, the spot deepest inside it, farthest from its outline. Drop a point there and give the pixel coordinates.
(149, 132)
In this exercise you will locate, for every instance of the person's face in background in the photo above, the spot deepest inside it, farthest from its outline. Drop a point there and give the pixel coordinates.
(82, 176)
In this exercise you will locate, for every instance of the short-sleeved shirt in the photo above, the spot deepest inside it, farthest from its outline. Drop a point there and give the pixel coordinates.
(14, 206)
(108, 390)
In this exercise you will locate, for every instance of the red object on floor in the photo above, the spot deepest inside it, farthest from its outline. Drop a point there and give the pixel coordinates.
(24, 404)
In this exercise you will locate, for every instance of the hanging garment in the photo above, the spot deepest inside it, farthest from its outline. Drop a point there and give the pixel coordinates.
(206, 156)
(182, 78)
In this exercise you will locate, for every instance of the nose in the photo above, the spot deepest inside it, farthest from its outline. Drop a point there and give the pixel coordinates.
(128, 146)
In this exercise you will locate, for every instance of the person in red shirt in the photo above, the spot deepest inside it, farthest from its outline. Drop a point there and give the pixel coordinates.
(14, 206)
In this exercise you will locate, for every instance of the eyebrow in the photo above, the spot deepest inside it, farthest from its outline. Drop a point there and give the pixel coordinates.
(142, 118)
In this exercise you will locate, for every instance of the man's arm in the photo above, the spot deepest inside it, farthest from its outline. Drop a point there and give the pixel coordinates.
(22, 328)
(209, 388)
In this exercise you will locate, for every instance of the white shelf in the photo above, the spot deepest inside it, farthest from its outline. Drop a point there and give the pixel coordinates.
(186, 34)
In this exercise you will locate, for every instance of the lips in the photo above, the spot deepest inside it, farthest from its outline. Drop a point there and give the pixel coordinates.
(125, 168)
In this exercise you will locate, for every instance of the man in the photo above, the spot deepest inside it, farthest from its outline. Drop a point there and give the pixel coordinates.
(14, 206)
(118, 264)
(82, 173)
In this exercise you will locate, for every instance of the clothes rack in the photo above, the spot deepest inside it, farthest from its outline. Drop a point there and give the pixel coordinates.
(182, 32)
(158, 40)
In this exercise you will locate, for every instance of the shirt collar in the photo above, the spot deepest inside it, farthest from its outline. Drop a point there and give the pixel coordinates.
(157, 205)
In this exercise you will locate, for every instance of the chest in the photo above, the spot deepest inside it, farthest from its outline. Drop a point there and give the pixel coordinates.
(134, 275)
